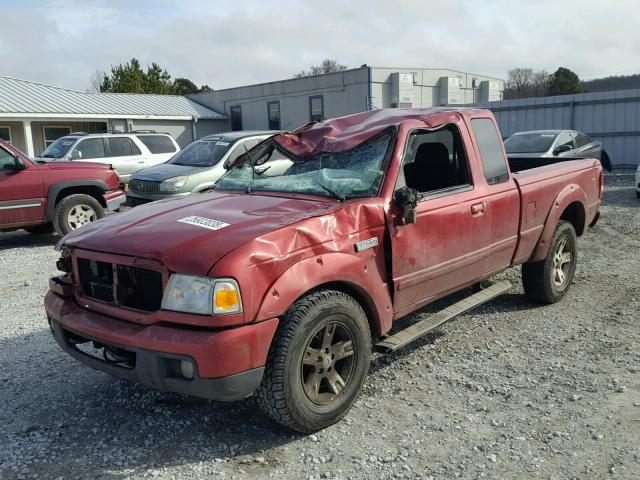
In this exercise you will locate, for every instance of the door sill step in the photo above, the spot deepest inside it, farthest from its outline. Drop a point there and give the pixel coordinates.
(403, 337)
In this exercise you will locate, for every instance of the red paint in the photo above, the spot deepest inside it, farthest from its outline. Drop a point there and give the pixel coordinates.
(32, 185)
(278, 247)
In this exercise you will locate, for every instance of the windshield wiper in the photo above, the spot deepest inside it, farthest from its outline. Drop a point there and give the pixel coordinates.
(331, 192)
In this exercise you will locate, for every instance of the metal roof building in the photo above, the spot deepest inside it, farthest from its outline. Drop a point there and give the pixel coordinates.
(32, 115)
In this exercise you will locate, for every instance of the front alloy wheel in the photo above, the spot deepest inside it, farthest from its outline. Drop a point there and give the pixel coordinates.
(317, 362)
(327, 364)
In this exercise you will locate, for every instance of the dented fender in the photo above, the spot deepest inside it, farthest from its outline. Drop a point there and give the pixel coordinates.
(356, 273)
(571, 193)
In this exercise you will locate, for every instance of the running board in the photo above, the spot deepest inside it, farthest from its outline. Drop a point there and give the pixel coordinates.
(393, 342)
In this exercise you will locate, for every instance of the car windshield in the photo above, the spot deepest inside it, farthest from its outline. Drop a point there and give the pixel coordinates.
(529, 142)
(349, 174)
(59, 148)
(202, 153)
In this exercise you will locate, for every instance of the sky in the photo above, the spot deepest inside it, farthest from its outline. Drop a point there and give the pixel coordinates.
(233, 43)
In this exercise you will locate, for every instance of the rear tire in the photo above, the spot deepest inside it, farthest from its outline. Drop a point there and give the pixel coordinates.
(548, 280)
(317, 362)
(75, 211)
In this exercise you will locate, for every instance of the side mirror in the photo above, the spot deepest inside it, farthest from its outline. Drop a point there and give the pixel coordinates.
(562, 149)
(406, 199)
(76, 155)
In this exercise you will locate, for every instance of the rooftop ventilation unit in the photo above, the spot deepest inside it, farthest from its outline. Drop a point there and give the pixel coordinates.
(402, 90)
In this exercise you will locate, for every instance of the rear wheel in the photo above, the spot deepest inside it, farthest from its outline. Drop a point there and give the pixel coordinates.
(75, 211)
(317, 362)
(548, 280)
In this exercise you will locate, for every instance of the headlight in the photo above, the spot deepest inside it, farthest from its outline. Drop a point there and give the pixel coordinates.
(202, 295)
(173, 184)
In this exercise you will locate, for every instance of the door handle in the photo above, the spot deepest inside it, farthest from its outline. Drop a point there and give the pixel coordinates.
(478, 208)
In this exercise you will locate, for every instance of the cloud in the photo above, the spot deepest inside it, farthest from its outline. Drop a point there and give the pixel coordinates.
(231, 43)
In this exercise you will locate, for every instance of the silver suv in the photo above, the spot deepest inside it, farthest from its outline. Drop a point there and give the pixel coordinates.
(194, 169)
(127, 152)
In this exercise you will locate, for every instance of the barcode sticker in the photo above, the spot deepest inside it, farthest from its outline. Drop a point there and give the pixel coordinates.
(204, 222)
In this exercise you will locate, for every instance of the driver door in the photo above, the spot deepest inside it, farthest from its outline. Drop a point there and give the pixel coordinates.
(446, 246)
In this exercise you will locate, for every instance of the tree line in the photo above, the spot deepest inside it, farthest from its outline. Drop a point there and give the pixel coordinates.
(131, 78)
(521, 82)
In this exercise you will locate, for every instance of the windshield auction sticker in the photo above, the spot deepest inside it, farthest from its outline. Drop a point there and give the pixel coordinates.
(204, 222)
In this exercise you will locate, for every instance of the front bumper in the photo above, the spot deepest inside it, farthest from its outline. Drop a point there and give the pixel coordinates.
(114, 199)
(228, 363)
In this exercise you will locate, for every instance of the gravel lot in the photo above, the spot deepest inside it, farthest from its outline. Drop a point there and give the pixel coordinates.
(513, 390)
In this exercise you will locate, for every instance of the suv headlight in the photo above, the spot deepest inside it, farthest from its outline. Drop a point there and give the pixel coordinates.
(202, 295)
(173, 184)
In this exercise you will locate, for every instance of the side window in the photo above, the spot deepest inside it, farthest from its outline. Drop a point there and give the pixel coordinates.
(273, 115)
(88, 148)
(120, 147)
(235, 112)
(316, 108)
(581, 140)
(435, 160)
(491, 153)
(7, 162)
(564, 138)
(156, 144)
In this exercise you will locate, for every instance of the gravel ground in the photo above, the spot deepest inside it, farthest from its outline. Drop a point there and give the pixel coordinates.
(513, 390)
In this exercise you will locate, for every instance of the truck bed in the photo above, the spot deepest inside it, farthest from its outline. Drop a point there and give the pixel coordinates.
(539, 188)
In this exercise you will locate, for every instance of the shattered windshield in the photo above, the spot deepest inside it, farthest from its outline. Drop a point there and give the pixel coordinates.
(353, 173)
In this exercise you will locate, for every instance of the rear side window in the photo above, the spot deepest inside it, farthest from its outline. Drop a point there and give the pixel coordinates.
(158, 143)
(491, 154)
(122, 147)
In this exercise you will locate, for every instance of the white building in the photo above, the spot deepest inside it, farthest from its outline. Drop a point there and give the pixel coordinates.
(287, 104)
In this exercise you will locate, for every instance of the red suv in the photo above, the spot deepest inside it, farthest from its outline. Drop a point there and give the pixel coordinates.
(40, 197)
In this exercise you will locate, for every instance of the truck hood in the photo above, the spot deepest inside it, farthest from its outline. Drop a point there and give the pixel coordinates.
(161, 172)
(190, 235)
(62, 165)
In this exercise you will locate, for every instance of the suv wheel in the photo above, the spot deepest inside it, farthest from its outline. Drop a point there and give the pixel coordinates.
(75, 211)
(317, 362)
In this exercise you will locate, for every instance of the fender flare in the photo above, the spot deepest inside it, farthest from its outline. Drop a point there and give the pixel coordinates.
(359, 276)
(56, 188)
(571, 193)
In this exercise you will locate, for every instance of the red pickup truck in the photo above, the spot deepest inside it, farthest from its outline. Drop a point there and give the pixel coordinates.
(62, 195)
(309, 248)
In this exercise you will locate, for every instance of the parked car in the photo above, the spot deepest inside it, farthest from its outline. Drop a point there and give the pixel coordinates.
(568, 144)
(276, 281)
(638, 182)
(194, 169)
(127, 152)
(62, 195)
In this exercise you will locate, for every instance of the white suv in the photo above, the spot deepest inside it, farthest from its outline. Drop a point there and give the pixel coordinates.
(127, 152)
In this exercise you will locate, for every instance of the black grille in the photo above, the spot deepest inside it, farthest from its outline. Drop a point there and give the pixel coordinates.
(138, 288)
(144, 186)
(96, 279)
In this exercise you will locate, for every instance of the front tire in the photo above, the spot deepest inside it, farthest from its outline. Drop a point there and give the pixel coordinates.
(548, 280)
(75, 211)
(317, 362)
